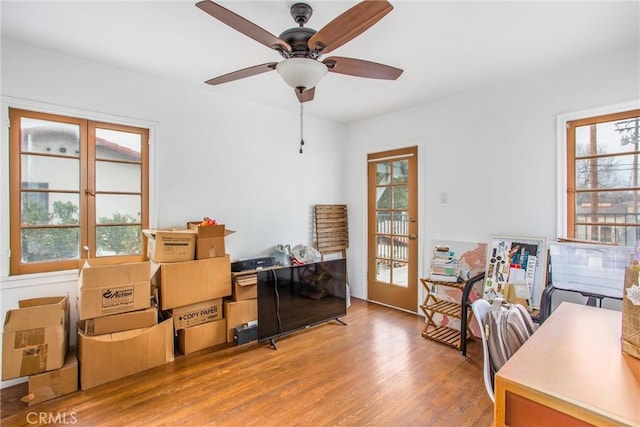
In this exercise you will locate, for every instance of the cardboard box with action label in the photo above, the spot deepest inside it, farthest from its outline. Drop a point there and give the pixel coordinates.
(35, 337)
(105, 289)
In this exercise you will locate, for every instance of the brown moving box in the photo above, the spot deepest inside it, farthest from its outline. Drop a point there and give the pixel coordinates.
(35, 337)
(105, 358)
(210, 239)
(195, 314)
(170, 245)
(202, 336)
(105, 289)
(245, 287)
(189, 282)
(119, 322)
(56, 383)
(239, 312)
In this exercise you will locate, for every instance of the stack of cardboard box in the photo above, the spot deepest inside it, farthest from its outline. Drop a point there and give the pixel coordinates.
(242, 307)
(118, 330)
(35, 343)
(187, 277)
(190, 290)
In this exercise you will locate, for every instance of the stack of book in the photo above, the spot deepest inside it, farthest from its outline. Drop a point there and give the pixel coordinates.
(444, 265)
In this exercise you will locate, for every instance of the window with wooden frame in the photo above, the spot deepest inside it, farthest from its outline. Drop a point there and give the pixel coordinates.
(78, 189)
(602, 178)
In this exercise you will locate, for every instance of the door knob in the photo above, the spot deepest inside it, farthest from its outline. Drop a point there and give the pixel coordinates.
(412, 237)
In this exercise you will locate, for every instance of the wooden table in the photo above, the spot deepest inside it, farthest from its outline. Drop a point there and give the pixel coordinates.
(572, 371)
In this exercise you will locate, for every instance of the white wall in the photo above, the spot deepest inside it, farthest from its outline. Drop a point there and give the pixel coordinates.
(211, 156)
(492, 150)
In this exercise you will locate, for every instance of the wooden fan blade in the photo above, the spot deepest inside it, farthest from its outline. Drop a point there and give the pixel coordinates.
(241, 74)
(307, 95)
(349, 25)
(361, 68)
(243, 25)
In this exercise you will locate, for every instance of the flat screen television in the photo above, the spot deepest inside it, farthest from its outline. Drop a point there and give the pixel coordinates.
(297, 297)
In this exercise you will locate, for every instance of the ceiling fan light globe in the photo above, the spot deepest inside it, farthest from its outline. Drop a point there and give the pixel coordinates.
(301, 72)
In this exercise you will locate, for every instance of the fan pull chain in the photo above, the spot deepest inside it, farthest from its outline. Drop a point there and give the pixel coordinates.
(301, 129)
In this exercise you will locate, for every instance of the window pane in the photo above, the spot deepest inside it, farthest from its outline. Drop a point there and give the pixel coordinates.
(607, 138)
(42, 136)
(383, 173)
(383, 197)
(607, 172)
(118, 145)
(621, 235)
(44, 208)
(400, 223)
(400, 249)
(400, 274)
(55, 173)
(383, 271)
(607, 203)
(401, 172)
(118, 240)
(400, 197)
(50, 244)
(384, 247)
(383, 222)
(118, 209)
(606, 208)
(113, 176)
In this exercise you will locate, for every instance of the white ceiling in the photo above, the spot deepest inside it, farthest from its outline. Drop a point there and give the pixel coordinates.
(445, 47)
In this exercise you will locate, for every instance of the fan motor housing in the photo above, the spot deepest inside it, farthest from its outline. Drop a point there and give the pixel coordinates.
(298, 39)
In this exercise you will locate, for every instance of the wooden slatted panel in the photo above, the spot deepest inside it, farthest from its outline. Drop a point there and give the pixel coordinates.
(332, 233)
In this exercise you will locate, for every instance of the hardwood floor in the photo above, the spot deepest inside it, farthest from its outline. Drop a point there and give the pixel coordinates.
(378, 370)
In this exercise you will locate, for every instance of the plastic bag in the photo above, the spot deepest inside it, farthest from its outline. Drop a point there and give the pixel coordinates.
(282, 255)
(305, 254)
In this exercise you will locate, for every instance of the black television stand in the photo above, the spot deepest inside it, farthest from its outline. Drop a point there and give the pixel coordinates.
(272, 341)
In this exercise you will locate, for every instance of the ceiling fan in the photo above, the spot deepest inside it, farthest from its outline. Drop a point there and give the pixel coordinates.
(302, 46)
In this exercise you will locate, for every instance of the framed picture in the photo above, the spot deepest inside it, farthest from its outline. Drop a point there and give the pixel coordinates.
(518, 261)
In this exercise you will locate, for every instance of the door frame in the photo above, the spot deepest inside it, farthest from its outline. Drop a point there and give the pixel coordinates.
(422, 231)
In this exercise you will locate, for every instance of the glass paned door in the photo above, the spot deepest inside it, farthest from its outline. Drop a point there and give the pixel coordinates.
(393, 228)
